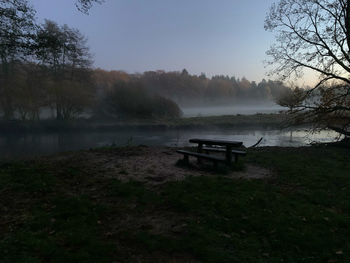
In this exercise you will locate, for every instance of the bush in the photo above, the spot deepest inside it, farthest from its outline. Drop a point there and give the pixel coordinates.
(131, 100)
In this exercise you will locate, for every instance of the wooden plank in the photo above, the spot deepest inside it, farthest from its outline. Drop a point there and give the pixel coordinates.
(210, 149)
(199, 150)
(216, 142)
(236, 153)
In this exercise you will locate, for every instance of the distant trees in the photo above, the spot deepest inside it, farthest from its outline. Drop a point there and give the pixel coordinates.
(121, 94)
(55, 80)
(190, 90)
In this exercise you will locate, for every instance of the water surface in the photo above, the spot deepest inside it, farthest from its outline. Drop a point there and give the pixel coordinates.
(26, 145)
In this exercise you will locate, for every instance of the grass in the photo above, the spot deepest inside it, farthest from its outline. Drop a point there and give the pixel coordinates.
(301, 214)
(43, 222)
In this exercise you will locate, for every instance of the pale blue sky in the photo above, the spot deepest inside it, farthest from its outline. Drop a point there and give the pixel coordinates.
(211, 36)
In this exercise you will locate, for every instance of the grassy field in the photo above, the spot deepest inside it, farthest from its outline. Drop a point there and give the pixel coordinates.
(56, 212)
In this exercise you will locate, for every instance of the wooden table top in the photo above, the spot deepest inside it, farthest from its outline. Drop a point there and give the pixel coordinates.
(217, 142)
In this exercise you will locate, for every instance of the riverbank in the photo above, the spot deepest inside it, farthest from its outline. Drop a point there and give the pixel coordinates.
(228, 121)
(134, 204)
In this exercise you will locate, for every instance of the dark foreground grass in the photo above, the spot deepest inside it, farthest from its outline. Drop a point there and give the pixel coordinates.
(301, 214)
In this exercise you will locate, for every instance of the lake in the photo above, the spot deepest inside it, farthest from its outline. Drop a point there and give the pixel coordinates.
(26, 145)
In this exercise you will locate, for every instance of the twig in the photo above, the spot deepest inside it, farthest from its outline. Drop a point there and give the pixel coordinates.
(256, 143)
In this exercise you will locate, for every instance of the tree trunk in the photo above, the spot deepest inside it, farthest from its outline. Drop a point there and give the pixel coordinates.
(58, 112)
(347, 23)
(7, 105)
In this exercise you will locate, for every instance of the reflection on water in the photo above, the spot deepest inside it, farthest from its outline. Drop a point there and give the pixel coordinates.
(41, 144)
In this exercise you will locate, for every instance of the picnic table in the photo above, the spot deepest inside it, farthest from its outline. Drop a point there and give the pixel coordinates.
(211, 145)
(228, 145)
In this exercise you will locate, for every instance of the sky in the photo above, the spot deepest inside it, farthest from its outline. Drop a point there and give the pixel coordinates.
(211, 36)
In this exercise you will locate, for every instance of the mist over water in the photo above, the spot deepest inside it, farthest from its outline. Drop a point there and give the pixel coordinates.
(34, 144)
(247, 108)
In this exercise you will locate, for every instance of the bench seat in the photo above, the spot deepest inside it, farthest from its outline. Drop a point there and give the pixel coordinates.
(236, 153)
(210, 149)
(202, 155)
(214, 159)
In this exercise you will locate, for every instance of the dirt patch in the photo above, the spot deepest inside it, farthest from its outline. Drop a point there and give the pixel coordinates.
(150, 165)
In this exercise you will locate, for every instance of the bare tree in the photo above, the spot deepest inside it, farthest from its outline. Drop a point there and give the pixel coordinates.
(291, 98)
(64, 53)
(315, 35)
(17, 24)
(85, 5)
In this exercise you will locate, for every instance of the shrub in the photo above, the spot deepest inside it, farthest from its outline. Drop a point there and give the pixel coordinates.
(131, 100)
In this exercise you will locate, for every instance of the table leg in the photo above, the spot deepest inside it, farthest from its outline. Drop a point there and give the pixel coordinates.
(186, 159)
(199, 150)
(228, 154)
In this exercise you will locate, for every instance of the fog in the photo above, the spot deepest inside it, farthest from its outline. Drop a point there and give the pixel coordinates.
(244, 109)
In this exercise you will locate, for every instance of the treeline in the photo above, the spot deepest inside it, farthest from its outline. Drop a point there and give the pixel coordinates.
(46, 72)
(192, 90)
